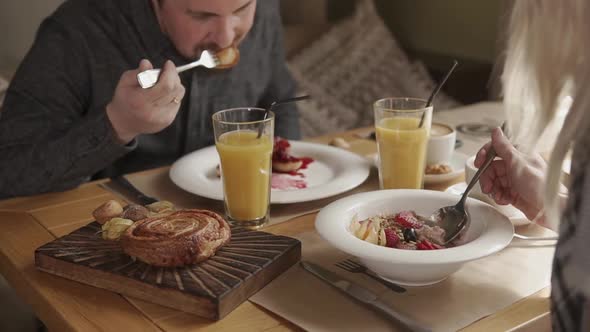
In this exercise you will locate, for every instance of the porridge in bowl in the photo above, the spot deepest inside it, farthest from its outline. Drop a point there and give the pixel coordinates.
(403, 230)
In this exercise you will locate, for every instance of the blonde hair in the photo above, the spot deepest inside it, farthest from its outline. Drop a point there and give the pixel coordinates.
(544, 70)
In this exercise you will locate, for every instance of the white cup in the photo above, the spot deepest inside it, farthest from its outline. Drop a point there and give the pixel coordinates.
(441, 144)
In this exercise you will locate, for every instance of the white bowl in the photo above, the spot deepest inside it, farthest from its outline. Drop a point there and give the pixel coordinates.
(489, 232)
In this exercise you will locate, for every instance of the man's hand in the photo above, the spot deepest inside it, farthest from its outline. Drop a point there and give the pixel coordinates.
(515, 178)
(135, 111)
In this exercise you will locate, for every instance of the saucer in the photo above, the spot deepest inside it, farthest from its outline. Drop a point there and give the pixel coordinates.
(457, 168)
(457, 165)
(515, 215)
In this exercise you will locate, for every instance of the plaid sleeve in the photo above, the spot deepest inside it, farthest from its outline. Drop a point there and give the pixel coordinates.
(570, 284)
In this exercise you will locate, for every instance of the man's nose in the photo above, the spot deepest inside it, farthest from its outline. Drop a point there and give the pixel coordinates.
(225, 31)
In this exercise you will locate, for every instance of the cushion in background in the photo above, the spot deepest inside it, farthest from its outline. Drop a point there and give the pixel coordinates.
(347, 68)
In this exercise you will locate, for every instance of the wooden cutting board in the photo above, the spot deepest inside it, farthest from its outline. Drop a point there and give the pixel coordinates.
(210, 289)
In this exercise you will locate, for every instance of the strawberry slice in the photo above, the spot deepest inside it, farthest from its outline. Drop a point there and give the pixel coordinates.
(435, 246)
(391, 238)
(422, 245)
(427, 245)
(408, 219)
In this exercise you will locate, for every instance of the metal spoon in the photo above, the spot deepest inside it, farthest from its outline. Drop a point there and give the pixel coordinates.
(454, 219)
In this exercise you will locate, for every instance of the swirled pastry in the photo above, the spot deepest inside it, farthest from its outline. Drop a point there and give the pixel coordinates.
(180, 238)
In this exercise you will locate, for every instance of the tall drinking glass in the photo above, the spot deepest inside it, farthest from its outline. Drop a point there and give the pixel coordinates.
(245, 163)
(402, 126)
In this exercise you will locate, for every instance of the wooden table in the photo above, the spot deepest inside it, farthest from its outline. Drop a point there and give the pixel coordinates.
(64, 305)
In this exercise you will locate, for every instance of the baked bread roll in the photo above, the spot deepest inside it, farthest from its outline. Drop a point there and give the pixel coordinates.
(228, 57)
(180, 238)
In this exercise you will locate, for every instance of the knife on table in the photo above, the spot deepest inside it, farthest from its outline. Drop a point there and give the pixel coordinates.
(362, 294)
(122, 185)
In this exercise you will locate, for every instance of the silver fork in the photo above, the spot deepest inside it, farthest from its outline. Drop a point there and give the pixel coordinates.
(354, 267)
(149, 78)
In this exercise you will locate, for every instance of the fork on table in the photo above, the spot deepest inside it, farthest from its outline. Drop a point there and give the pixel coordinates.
(354, 267)
(149, 78)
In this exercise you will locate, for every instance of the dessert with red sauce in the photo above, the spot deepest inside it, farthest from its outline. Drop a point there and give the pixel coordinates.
(283, 161)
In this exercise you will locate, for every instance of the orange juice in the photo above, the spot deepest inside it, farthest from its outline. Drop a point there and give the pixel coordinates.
(402, 152)
(245, 169)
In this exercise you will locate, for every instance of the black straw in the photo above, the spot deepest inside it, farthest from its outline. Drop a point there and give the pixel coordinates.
(437, 89)
(276, 103)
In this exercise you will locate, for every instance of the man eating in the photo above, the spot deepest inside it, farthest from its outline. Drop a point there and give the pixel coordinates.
(75, 111)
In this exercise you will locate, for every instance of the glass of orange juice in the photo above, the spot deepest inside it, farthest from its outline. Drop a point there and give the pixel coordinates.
(402, 127)
(245, 163)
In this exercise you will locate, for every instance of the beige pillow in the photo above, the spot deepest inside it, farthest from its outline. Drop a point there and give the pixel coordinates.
(352, 65)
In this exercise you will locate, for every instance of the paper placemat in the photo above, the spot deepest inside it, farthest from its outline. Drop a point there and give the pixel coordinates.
(478, 289)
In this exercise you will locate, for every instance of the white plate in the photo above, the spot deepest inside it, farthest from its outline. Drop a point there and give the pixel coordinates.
(457, 166)
(515, 215)
(333, 171)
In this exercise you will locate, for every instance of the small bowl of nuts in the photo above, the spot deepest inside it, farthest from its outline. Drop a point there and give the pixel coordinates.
(436, 173)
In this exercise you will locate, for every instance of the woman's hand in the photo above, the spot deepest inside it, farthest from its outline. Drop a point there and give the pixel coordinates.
(514, 178)
(135, 111)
